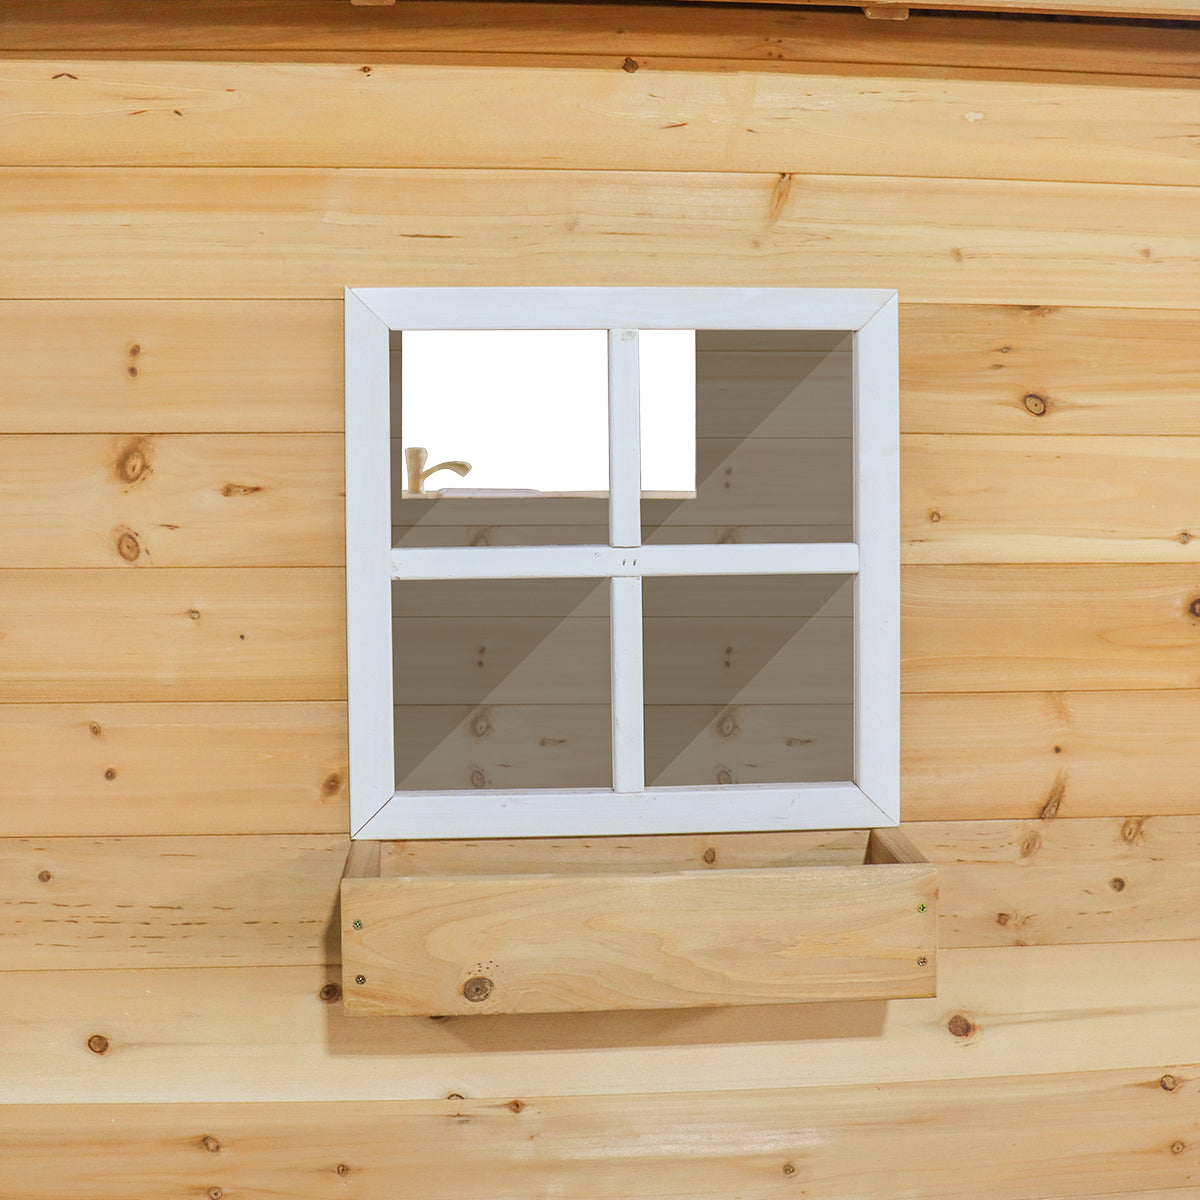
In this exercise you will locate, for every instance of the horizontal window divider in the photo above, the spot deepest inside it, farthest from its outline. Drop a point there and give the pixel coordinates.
(597, 812)
(600, 562)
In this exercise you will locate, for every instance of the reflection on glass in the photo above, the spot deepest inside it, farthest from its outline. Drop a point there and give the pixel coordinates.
(501, 684)
(749, 680)
(500, 437)
(774, 423)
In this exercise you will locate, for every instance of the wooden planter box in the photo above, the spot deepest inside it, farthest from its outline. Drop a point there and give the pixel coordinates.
(564, 925)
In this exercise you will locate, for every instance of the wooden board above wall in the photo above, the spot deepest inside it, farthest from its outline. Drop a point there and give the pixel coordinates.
(712, 37)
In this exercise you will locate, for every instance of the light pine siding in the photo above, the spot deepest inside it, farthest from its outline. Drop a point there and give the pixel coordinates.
(171, 300)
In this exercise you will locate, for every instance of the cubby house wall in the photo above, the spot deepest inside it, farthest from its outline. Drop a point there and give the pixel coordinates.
(188, 189)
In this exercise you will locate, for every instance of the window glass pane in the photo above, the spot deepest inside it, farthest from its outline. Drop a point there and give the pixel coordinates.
(521, 419)
(749, 679)
(774, 422)
(501, 684)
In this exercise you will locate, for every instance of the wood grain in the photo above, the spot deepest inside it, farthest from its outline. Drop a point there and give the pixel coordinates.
(714, 38)
(242, 901)
(175, 769)
(271, 634)
(1035, 369)
(1112, 1129)
(1030, 628)
(172, 500)
(1021, 883)
(1048, 499)
(84, 903)
(1030, 754)
(173, 366)
(338, 115)
(1114, 1007)
(577, 943)
(207, 232)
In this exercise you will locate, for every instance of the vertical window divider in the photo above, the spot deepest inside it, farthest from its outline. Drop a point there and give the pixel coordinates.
(625, 531)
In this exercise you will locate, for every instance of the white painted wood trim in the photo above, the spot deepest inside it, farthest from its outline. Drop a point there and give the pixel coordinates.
(877, 585)
(624, 439)
(598, 812)
(628, 703)
(618, 308)
(368, 550)
(873, 800)
(590, 562)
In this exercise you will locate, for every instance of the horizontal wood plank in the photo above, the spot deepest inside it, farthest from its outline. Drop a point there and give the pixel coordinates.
(1036, 369)
(1111, 1129)
(162, 1025)
(84, 903)
(1030, 754)
(1081, 499)
(1020, 883)
(138, 769)
(172, 366)
(777, 38)
(206, 232)
(426, 946)
(201, 634)
(270, 900)
(338, 115)
(1046, 627)
(172, 500)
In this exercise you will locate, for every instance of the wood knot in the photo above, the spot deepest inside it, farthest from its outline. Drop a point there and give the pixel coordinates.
(330, 993)
(1194, 607)
(789, 1168)
(240, 489)
(342, 1169)
(98, 1043)
(481, 724)
(516, 1105)
(193, 614)
(1178, 1147)
(132, 372)
(960, 1026)
(133, 461)
(1003, 918)
(214, 1193)
(1117, 883)
(134, 350)
(1031, 843)
(1168, 1083)
(935, 516)
(1131, 829)
(727, 725)
(331, 784)
(1185, 537)
(210, 1143)
(629, 65)
(709, 856)
(94, 729)
(481, 537)
(1035, 404)
(477, 988)
(724, 776)
(478, 778)
(455, 1096)
(110, 774)
(44, 877)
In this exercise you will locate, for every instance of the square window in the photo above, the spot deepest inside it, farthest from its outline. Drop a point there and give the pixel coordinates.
(760, 603)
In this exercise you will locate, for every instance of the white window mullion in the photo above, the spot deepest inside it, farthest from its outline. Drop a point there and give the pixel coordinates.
(624, 439)
(628, 720)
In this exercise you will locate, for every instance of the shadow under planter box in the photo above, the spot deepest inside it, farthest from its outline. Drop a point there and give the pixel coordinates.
(583, 924)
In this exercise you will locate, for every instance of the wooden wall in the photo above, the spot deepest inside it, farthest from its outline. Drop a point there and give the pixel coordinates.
(182, 200)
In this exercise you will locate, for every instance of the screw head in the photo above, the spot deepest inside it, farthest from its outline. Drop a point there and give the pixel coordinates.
(360, 979)
(922, 961)
(922, 907)
(357, 924)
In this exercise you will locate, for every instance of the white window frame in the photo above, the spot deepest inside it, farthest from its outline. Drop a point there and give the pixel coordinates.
(871, 799)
